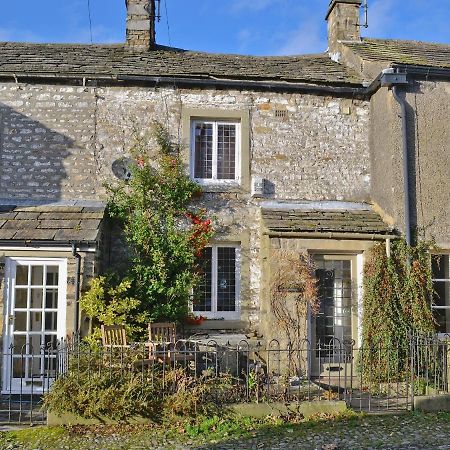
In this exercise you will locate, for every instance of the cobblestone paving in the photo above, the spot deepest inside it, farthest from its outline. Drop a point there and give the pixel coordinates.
(371, 432)
(378, 432)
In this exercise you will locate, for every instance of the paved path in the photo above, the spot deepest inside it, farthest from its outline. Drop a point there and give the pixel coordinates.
(431, 432)
(385, 432)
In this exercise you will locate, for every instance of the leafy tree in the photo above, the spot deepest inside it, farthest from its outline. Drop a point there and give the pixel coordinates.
(165, 233)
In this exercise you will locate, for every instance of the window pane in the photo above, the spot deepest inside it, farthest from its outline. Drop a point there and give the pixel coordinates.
(51, 321)
(20, 342)
(203, 150)
(334, 284)
(35, 321)
(50, 342)
(226, 152)
(19, 367)
(21, 298)
(51, 299)
(34, 342)
(37, 275)
(36, 298)
(203, 293)
(22, 275)
(226, 279)
(20, 321)
(441, 294)
(52, 276)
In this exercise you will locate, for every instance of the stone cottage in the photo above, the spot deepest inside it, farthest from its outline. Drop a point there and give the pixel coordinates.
(319, 154)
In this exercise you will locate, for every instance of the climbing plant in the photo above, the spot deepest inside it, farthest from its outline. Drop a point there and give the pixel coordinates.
(397, 294)
(293, 291)
(166, 232)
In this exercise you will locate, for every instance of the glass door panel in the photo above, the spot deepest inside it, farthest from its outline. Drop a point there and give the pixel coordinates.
(331, 329)
(36, 321)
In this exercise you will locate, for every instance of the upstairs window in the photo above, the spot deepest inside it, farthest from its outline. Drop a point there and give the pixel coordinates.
(217, 296)
(215, 152)
(441, 286)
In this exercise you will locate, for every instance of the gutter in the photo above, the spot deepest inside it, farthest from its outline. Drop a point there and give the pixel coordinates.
(331, 235)
(353, 90)
(422, 71)
(280, 86)
(59, 246)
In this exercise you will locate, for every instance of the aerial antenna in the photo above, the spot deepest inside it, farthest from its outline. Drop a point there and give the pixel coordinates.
(157, 13)
(365, 6)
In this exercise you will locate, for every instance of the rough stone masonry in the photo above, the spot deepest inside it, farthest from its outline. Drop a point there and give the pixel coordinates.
(58, 142)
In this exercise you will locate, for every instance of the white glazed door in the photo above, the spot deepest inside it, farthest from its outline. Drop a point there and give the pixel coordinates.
(35, 321)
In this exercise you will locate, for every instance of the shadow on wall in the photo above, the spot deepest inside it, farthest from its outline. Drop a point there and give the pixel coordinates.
(31, 157)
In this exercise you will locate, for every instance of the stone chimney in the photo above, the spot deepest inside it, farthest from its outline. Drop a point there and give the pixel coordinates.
(343, 19)
(141, 18)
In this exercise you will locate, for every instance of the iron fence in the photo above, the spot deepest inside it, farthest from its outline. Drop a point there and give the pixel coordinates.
(379, 378)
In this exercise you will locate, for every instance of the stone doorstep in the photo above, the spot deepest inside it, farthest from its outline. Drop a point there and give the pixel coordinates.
(257, 410)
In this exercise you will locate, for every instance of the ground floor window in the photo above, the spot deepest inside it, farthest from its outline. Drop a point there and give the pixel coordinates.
(217, 296)
(35, 321)
(441, 286)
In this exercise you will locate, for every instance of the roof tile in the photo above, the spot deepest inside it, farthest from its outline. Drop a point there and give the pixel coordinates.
(351, 221)
(402, 52)
(116, 60)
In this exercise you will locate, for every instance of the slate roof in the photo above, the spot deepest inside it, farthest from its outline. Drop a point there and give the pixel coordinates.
(116, 60)
(331, 221)
(51, 223)
(402, 52)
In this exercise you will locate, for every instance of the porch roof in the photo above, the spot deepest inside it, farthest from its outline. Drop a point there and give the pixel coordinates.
(51, 223)
(318, 220)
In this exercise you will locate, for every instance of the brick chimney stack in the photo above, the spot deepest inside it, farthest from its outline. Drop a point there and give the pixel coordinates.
(343, 19)
(141, 19)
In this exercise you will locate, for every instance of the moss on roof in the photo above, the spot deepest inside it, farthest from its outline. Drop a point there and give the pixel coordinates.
(116, 60)
(402, 52)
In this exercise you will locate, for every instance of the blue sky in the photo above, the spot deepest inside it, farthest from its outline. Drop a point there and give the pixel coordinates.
(257, 27)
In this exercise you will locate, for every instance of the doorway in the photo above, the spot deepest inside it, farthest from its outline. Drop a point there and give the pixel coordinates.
(34, 322)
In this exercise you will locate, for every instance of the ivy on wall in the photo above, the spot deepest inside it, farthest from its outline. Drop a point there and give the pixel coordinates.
(397, 294)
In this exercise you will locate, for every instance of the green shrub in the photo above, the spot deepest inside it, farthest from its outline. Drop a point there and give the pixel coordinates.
(166, 232)
(95, 387)
(114, 385)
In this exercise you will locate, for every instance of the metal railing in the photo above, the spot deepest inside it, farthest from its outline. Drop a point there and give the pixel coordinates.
(379, 378)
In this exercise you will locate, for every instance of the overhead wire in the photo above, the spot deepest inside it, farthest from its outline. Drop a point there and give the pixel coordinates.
(90, 19)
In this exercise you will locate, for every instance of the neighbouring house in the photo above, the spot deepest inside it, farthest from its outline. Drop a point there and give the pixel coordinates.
(322, 154)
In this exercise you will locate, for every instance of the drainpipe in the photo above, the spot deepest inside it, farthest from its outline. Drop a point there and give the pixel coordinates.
(76, 255)
(394, 80)
(406, 182)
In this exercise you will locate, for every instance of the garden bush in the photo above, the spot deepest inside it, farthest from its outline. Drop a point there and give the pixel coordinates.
(114, 385)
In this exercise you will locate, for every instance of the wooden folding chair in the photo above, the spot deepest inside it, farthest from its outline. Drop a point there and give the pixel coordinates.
(162, 337)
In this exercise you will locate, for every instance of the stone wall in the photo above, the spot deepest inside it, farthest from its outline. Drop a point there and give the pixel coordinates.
(47, 137)
(59, 142)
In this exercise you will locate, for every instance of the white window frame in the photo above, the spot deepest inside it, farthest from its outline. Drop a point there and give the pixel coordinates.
(10, 284)
(226, 315)
(237, 169)
(444, 280)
